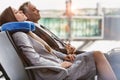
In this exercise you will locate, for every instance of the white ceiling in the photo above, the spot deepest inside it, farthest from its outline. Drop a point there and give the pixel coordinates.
(60, 4)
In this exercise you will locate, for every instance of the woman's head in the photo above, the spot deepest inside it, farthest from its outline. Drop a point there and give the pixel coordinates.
(11, 15)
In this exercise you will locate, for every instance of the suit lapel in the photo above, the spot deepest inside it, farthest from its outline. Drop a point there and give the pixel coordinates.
(54, 36)
(47, 38)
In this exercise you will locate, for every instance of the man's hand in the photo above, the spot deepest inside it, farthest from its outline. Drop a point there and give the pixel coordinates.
(66, 64)
(70, 49)
(70, 57)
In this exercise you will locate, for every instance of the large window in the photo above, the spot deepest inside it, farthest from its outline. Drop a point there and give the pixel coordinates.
(75, 28)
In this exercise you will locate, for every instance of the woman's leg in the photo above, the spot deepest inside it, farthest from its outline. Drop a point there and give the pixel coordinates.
(104, 69)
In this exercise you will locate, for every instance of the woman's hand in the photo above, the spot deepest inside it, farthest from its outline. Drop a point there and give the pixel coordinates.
(66, 64)
(70, 57)
(70, 49)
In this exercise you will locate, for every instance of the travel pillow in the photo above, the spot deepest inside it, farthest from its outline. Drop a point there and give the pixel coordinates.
(18, 26)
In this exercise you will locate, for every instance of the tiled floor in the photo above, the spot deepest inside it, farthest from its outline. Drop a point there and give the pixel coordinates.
(101, 45)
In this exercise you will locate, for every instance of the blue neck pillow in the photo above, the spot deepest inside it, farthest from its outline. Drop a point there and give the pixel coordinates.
(18, 26)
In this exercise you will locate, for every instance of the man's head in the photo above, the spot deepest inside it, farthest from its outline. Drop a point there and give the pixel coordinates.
(30, 11)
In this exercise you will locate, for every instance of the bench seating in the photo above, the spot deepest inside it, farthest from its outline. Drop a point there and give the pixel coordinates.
(9, 59)
(13, 65)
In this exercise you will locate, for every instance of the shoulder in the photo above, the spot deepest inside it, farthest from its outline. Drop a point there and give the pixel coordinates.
(37, 25)
(20, 35)
(21, 38)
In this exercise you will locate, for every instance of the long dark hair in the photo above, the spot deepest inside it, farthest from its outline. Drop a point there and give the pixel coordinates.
(7, 16)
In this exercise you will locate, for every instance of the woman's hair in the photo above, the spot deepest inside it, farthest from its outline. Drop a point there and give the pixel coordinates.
(7, 16)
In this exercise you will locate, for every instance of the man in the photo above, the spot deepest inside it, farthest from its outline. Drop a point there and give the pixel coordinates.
(33, 15)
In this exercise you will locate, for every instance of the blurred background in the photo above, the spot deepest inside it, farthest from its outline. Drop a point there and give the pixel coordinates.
(87, 25)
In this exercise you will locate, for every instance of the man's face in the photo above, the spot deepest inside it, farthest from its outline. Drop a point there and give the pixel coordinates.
(33, 13)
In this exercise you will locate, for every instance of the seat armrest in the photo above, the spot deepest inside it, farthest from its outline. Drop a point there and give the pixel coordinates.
(60, 75)
(55, 68)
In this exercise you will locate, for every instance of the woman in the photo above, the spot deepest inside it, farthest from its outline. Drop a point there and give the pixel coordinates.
(82, 66)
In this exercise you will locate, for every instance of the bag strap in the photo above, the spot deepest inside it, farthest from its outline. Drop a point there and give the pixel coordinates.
(42, 42)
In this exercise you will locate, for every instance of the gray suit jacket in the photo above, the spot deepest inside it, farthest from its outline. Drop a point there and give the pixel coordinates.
(38, 55)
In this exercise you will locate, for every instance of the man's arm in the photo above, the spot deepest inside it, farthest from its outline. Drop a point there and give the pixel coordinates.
(51, 41)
